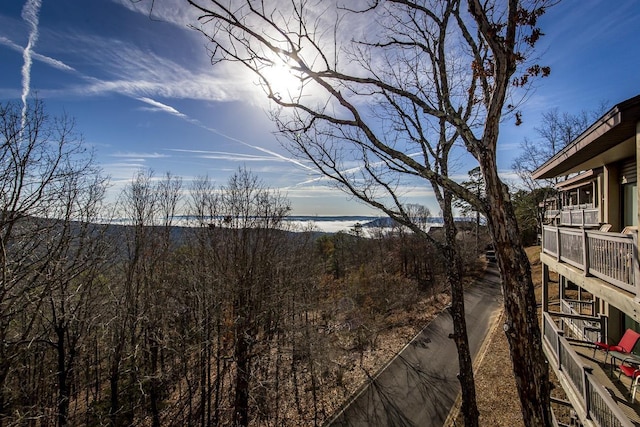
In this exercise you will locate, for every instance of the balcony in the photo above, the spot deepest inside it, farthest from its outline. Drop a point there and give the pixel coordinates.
(596, 393)
(580, 215)
(611, 257)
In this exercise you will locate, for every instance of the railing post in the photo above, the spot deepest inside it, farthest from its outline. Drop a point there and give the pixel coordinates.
(545, 287)
(558, 349)
(635, 265)
(586, 394)
(604, 327)
(585, 251)
(558, 244)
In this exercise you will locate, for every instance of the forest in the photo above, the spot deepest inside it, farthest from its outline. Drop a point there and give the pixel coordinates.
(201, 305)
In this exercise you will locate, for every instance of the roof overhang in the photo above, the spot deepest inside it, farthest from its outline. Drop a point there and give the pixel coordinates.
(609, 139)
(580, 180)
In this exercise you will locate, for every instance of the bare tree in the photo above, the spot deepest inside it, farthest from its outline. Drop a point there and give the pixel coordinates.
(475, 184)
(205, 295)
(138, 207)
(248, 261)
(437, 144)
(75, 255)
(554, 132)
(148, 322)
(47, 194)
(149, 205)
(453, 62)
(250, 291)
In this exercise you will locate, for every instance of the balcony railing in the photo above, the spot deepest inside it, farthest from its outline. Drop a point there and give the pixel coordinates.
(595, 401)
(551, 213)
(612, 257)
(580, 216)
(587, 328)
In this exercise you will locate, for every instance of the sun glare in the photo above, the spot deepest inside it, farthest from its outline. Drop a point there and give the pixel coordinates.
(282, 81)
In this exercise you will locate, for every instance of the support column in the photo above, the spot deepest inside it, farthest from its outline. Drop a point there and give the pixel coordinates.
(545, 288)
(598, 197)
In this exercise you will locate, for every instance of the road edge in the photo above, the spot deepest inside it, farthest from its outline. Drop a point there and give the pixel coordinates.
(371, 378)
(495, 321)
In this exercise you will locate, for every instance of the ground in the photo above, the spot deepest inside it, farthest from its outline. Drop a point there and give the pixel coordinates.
(495, 385)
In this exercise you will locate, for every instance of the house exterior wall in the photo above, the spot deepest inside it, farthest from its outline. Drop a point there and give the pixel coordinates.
(638, 163)
(611, 196)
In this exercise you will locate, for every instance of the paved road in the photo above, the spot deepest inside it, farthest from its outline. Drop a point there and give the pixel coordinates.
(419, 387)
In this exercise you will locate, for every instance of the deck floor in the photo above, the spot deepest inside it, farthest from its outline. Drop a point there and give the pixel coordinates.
(619, 389)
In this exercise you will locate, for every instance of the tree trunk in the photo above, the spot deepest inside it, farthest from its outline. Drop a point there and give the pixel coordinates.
(154, 392)
(241, 401)
(522, 326)
(454, 277)
(114, 382)
(4, 372)
(217, 385)
(63, 386)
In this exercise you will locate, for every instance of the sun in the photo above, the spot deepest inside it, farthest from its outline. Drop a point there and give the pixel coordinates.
(281, 80)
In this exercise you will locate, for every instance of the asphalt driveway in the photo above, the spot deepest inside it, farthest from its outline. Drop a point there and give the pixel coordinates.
(419, 386)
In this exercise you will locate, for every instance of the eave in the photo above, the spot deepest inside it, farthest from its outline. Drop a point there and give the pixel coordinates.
(609, 139)
(579, 180)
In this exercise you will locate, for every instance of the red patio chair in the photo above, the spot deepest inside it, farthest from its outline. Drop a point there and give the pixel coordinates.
(632, 372)
(625, 345)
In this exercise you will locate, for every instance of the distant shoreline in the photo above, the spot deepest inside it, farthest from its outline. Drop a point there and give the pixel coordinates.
(323, 224)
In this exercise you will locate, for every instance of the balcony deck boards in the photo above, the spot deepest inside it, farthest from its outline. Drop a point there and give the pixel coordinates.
(618, 389)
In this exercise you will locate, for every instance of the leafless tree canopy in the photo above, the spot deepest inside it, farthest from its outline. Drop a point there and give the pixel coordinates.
(234, 320)
(384, 89)
(553, 133)
(378, 83)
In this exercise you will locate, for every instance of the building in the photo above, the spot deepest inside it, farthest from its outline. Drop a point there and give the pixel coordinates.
(591, 274)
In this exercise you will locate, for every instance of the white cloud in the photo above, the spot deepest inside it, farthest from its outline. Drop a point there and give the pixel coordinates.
(134, 155)
(159, 106)
(222, 155)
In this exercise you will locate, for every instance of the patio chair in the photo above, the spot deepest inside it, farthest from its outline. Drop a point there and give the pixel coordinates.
(605, 227)
(625, 345)
(632, 372)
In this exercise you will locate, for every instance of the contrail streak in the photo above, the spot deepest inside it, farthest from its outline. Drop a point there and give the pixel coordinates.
(170, 110)
(30, 13)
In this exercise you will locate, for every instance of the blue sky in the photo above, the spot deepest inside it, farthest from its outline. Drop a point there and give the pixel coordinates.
(144, 94)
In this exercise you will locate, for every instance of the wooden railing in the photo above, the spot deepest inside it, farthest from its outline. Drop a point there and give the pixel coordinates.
(551, 213)
(586, 307)
(583, 327)
(612, 257)
(583, 216)
(594, 399)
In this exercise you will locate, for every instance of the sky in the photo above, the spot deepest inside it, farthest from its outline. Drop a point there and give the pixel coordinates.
(144, 94)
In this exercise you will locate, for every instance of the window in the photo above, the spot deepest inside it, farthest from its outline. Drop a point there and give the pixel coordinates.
(630, 204)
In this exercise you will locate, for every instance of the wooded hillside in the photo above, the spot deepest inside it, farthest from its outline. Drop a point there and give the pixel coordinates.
(229, 318)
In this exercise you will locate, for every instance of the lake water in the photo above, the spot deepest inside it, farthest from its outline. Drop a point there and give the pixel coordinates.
(330, 224)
